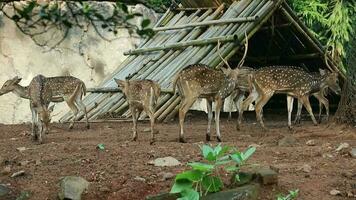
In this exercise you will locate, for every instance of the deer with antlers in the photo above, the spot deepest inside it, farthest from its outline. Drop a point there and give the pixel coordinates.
(200, 81)
(60, 88)
(290, 80)
(140, 95)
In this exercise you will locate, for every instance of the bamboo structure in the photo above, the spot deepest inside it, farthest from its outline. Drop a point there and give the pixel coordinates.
(188, 35)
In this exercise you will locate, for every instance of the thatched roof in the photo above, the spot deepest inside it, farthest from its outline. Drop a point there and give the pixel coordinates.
(189, 35)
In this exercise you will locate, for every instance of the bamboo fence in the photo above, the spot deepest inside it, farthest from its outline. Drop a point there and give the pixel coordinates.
(183, 37)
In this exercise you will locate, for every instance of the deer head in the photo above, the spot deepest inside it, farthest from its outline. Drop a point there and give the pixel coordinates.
(10, 85)
(331, 79)
(45, 118)
(228, 71)
(122, 84)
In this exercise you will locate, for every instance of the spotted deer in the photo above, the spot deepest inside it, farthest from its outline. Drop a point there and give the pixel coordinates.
(320, 95)
(140, 95)
(60, 88)
(290, 80)
(201, 81)
(12, 85)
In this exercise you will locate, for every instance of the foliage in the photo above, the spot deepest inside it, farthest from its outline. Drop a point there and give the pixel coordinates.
(204, 177)
(330, 20)
(42, 20)
(292, 195)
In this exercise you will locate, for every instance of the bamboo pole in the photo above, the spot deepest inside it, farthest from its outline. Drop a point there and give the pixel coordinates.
(208, 23)
(306, 34)
(115, 90)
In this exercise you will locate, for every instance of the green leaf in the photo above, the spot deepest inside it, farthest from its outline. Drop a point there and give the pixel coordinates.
(217, 149)
(145, 23)
(122, 6)
(212, 183)
(201, 166)
(223, 151)
(231, 168)
(192, 175)
(237, 158)
(189, 194)
(100, 146)
(208, 152)
(181, 185)
(248, 153)
(237, 177)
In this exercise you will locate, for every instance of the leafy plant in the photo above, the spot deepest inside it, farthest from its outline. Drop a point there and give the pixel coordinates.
(292, 195)
(329, 20)
(205, 177)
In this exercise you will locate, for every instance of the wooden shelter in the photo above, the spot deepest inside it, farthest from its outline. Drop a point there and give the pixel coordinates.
(189, 34)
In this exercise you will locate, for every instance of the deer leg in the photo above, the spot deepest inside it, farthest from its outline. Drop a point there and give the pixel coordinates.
(135, 115)
(239, 102)
(322, 101)
(299, 112)
(244, 106)
(82, 107)
(290, 101)
(150, 113)
(210, 117)
(74, 109)
(306, 103)
(185, 105)
(34, 122)
(260, 103)
(218, 104)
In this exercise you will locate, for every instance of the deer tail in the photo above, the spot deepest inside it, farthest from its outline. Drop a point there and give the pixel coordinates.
(84, 89)
(155, 93)
(175, 80)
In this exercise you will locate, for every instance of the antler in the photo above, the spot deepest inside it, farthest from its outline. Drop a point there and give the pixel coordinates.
(244, 56)
(221, 55)
(326, 58)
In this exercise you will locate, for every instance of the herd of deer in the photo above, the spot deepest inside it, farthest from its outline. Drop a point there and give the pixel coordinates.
(194, 81)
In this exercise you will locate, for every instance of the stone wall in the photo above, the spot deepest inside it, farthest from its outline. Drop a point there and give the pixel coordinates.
(85, 56)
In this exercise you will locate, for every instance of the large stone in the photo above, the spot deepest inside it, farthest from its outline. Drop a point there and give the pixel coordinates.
(247, 192)
(165, 162)
(4, 191)
(24, 195)
(287, 141)
(72, 187)
(353, 152)
(267, 176)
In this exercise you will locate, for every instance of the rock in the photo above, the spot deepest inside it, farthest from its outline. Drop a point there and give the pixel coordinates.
(21, 149)
(104, 189)
(72, 187)
(24, 163)
(306, 168)
(310, 143)
(335, 192)
(165, 162)
(163, 196)
(254, 145)
(267, 176)
(247, 192)
(138, 178)
(287, 141)
(24, 195)
(19, 173)
(166, 175)
(4, 190)
(6, 170)
(38, 162)
(342, 146)
(327, 155)
(147, 130)
(352, 152)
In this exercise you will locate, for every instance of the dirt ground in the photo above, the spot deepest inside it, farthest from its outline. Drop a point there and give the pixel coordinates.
(112, 172)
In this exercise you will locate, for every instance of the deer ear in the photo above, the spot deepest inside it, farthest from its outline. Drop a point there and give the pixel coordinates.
(322, 71)
(120, 83)
(51, 108)
(226, 71)
(16, 79)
